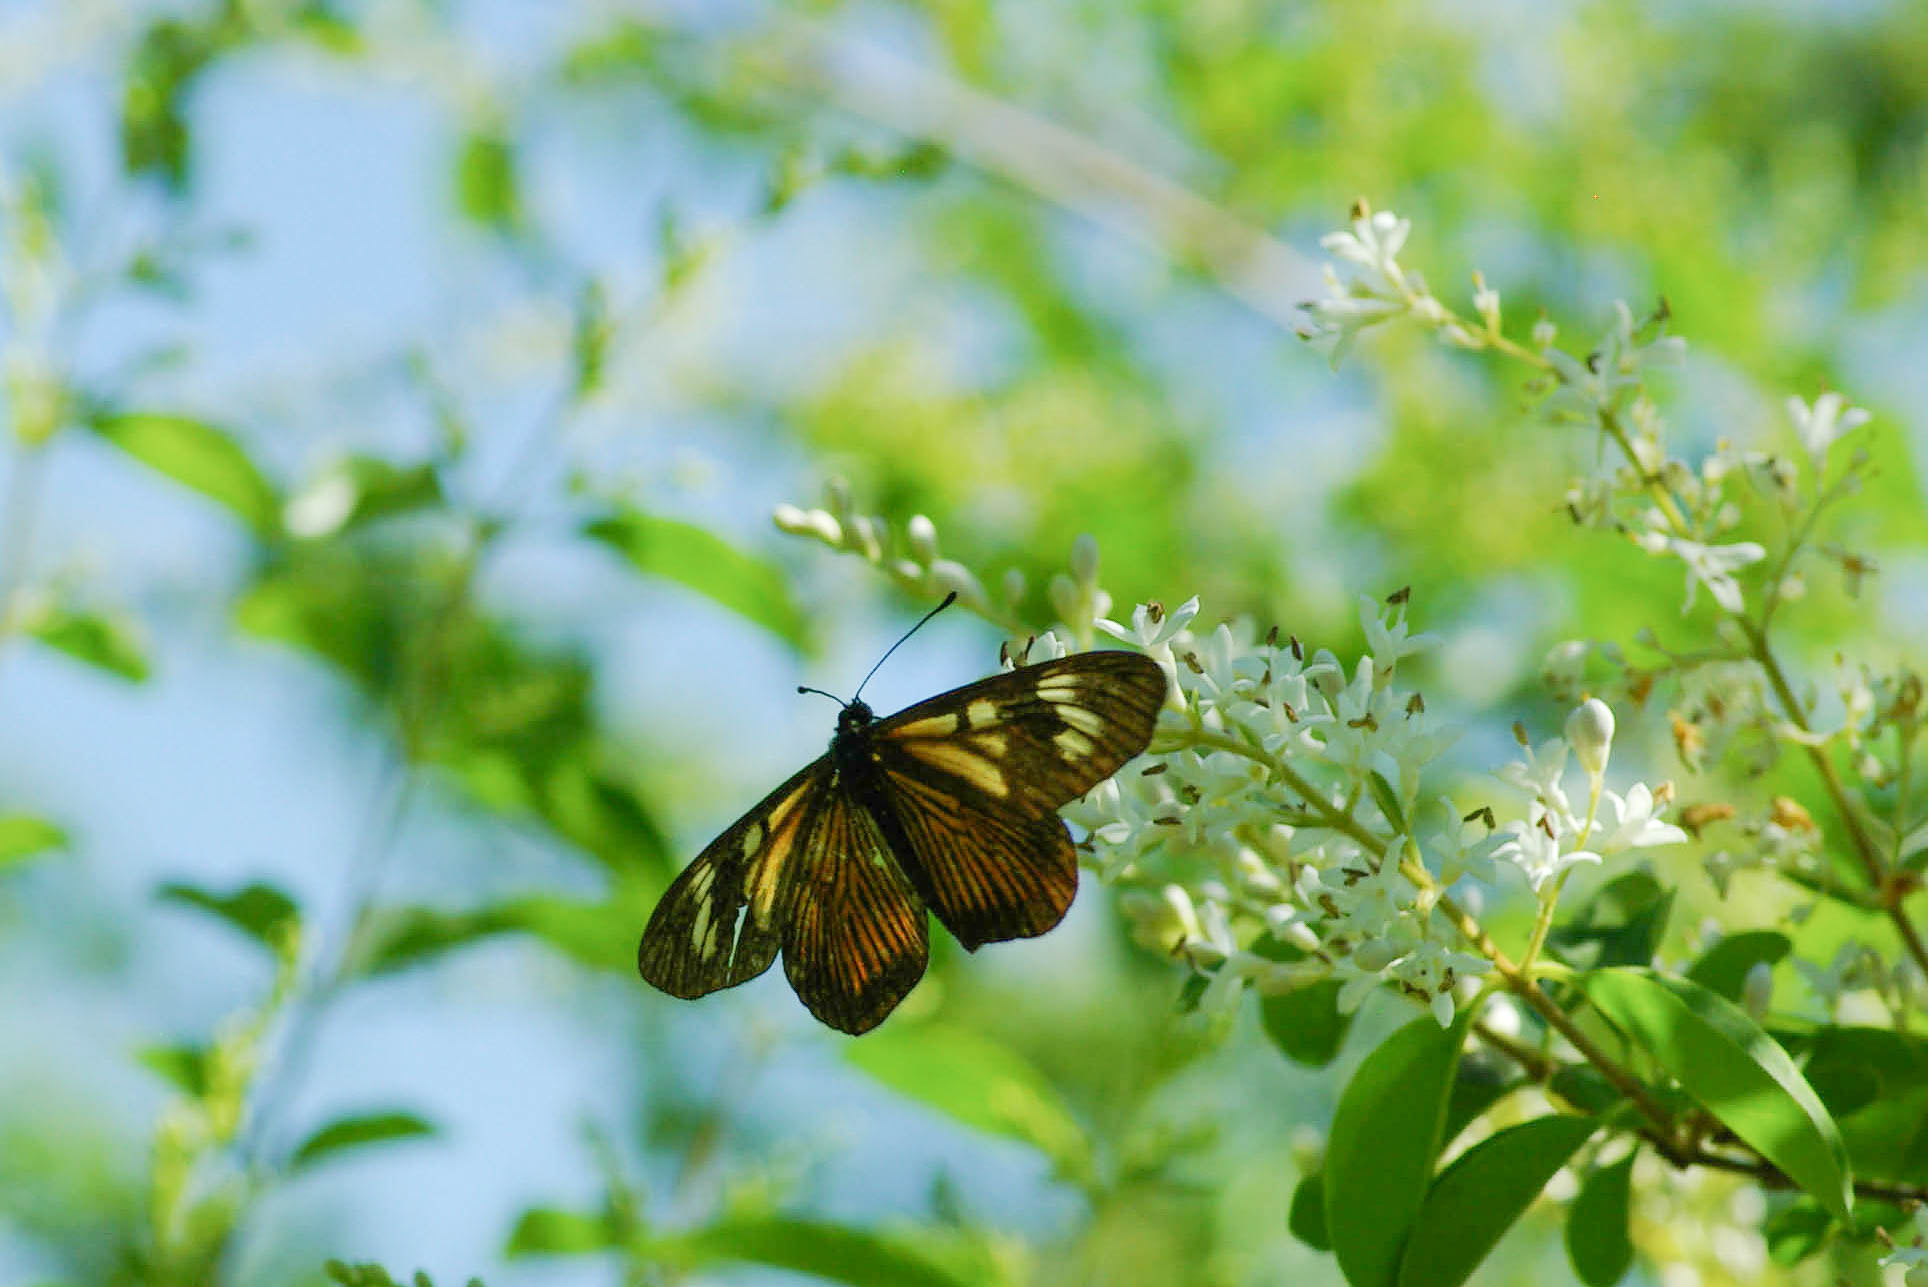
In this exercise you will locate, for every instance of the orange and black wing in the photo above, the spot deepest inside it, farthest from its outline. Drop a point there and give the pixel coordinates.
(721, 921)
(856, 939)
(978, 774)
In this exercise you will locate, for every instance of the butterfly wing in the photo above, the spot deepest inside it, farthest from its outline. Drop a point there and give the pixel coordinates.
(721, 921)
(978, 775)
(856, 939)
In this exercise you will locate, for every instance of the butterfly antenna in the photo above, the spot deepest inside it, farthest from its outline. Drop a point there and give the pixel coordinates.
(949, 599)
(819, 692)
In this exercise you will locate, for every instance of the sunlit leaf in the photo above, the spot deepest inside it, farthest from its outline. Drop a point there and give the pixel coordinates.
(978, 1082)
(200, 456)
(1736, 1071)
(1598, 1242)
(22, 835)
(259, 911)
(1385, 1137)
(692, 556)
(835, 1252)
(356, 1132)
(105, 643)
(1477, 1199)
(545, 1231)
(184, 1067)
(1620, 924)
(486, 189)
(1306, 1023)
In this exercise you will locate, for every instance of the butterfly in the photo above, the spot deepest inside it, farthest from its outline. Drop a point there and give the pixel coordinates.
(949, 805)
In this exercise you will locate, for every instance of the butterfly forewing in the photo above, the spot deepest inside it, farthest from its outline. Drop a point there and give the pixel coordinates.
(721, 921)
(1030, 740)
(856, 939)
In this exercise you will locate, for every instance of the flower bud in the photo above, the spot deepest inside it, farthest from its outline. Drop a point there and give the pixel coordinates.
(1758, 989)
(1589, 731)
(921, 535)
(1084, 558)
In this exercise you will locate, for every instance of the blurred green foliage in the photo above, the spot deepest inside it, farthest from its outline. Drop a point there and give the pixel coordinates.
(1763, 169)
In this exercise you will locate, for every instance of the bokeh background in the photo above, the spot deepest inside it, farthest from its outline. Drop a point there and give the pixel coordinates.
(396, 397)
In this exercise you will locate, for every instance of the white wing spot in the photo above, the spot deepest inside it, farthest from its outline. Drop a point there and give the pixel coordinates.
(1080, 718)
(1058, 688)
(990, 743)
(700, 936)
(981, 712)
(753, 840)
(1073, 743)
(930, 726)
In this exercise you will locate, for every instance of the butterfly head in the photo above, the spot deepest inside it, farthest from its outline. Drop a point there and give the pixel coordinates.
(854, 718)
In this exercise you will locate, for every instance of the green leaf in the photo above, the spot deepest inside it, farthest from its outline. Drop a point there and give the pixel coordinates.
(1476, 1088)
(257, 910)
(1622, 923)
(22, 835)
(354, 1132)
(601, 935)
(197, 455)
(1598, 1241)
(1736, 1071)
(1874, 1082)
(1723, 967)
(977, 1081)
(1585, 1087)
(360, 490)
(1385, 1137)
(1305, 1023)
(1796, 1231)
(183, 1067)
(1307, 1218)
(836, 1252)
(1478, 1197)
(105, 643)
(1388, 801)
(545, 1231)
(689, 555)
(486, 190)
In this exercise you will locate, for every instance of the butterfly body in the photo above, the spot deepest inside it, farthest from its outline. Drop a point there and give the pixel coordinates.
(949, 805)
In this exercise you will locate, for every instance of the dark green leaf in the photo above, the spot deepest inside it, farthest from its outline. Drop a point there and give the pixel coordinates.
(1874, 1082)
(1585, 1087)
(355, 1132)
(1307, 1219)
(601, 935)
(259, 911)
(1598, 1242)
(170, 55)
(22, 835)
(1385, 1137)
(183, 1067)
(1737, 1072)
(1723, 967)
(689, 555)
(197, 455)
(1796, 1231)
(1476, 1087)
(836, 1252)
(1477, 1199)
(978, 1082)
(1620, 925)
(1305, 1023)
(544, 1231)
(105, 643)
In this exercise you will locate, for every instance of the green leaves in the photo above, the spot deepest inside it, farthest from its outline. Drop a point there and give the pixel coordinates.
(105, 643)
(1736, 1071)
(355, 1132)
(22, 836)
(1481, 1194)
(692, 556)
(486, 190)
(985, 1085)
(1597, 1239)
(200, 456)
(1385, 1136)
(262, 912)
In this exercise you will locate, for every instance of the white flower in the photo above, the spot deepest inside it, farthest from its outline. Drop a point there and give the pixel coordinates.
(1629, 822)
(1589, 731)
(1537, 852)
(1819, 426)
(1714, 566)
(1386, 637)
(1151, 626)
(1538, 773)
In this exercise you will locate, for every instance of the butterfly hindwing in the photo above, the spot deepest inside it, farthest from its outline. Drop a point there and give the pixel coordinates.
(989, 876)
(721, 921)
(856, 939)
(1034, 739)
